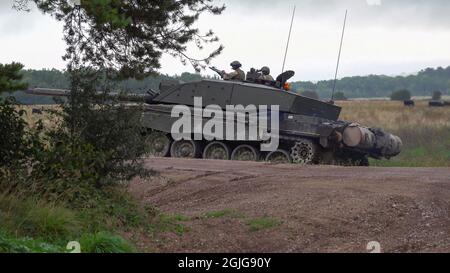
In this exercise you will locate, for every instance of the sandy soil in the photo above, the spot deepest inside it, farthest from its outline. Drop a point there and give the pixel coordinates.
(316, 209)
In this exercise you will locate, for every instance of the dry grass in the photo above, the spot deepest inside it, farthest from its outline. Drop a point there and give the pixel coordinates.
(46, 117)
(425, 131)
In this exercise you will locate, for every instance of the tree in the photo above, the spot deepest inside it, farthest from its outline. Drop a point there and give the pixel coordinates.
(340, 96)
(12, 125)
(131, 36)
(422, 84)
(11, 77)
(401, 95)
(108, 41)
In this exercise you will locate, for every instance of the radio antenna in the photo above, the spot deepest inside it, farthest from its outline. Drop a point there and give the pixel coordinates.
(339, 57)
(289, 39)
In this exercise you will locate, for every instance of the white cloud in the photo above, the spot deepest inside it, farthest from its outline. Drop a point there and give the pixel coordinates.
(392, 38)
(374, 2)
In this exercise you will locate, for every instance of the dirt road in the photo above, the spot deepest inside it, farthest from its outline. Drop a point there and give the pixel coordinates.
(258, 207)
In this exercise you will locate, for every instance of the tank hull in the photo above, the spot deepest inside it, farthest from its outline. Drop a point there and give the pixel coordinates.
(339, 138)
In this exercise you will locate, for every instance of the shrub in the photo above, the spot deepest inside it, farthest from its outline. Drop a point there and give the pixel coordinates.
(12, 133)
(29, 217)
(401, 95)
(340, 96)
(12, 244)
(104, 242)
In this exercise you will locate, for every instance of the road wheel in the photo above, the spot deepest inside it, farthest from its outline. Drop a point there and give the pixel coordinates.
(216, 151)
(245, 153)
(279, 157)
(304, 152)
(185, 149)
(158, 144)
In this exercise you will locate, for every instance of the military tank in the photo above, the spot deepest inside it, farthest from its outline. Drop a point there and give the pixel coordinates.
(310, 131)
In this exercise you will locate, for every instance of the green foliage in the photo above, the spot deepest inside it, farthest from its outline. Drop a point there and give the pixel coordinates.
(105, 242)
(48, 78)
(262, 223)
(222, 213)
(421, 150)
(12, 136)
(14, 139)
(145, 28)
(94, 147)
(162, 222)
(340, 96)
(310, 94)
(12, 244)
(11, 78)
(32, 225)
(30, 217)
(372, 86)
(401, 95)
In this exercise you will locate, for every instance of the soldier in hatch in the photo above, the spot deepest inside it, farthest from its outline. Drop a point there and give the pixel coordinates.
(266, 74)
(236, 75)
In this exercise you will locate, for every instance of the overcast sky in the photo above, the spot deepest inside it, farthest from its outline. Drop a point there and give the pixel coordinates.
(391, 37)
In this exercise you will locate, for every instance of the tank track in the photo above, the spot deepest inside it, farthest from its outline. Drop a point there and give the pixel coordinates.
(296, 150)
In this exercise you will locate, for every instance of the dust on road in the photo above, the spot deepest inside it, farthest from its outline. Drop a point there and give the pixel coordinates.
(298, 209)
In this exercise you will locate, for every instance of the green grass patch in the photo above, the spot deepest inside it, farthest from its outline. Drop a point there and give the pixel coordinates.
(13, 244)
(433, 156)
(222, 214)
(34, 218)
(163, 222)
(29, 225)
(262, 223)
(105, 242)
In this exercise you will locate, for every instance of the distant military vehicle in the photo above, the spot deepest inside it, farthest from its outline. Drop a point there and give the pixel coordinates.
(36, 111)
(310, 130)
(438, 103)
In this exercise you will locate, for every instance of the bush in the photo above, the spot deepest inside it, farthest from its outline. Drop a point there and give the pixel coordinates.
(104, 242)
(29, 217)
(12, 244)
(12, 133)
(340, 96)
(401, 95)
(310, 94)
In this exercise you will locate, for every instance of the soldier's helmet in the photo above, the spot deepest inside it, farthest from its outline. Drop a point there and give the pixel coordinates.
(236, 64)
(265, 70)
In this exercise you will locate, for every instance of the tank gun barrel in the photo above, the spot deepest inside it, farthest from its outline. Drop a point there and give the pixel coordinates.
(113, 96)
(48, 92)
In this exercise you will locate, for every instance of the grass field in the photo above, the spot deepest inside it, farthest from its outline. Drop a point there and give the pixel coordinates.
(425, 131)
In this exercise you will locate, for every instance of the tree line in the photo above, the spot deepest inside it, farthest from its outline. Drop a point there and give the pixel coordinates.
(425, 83)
